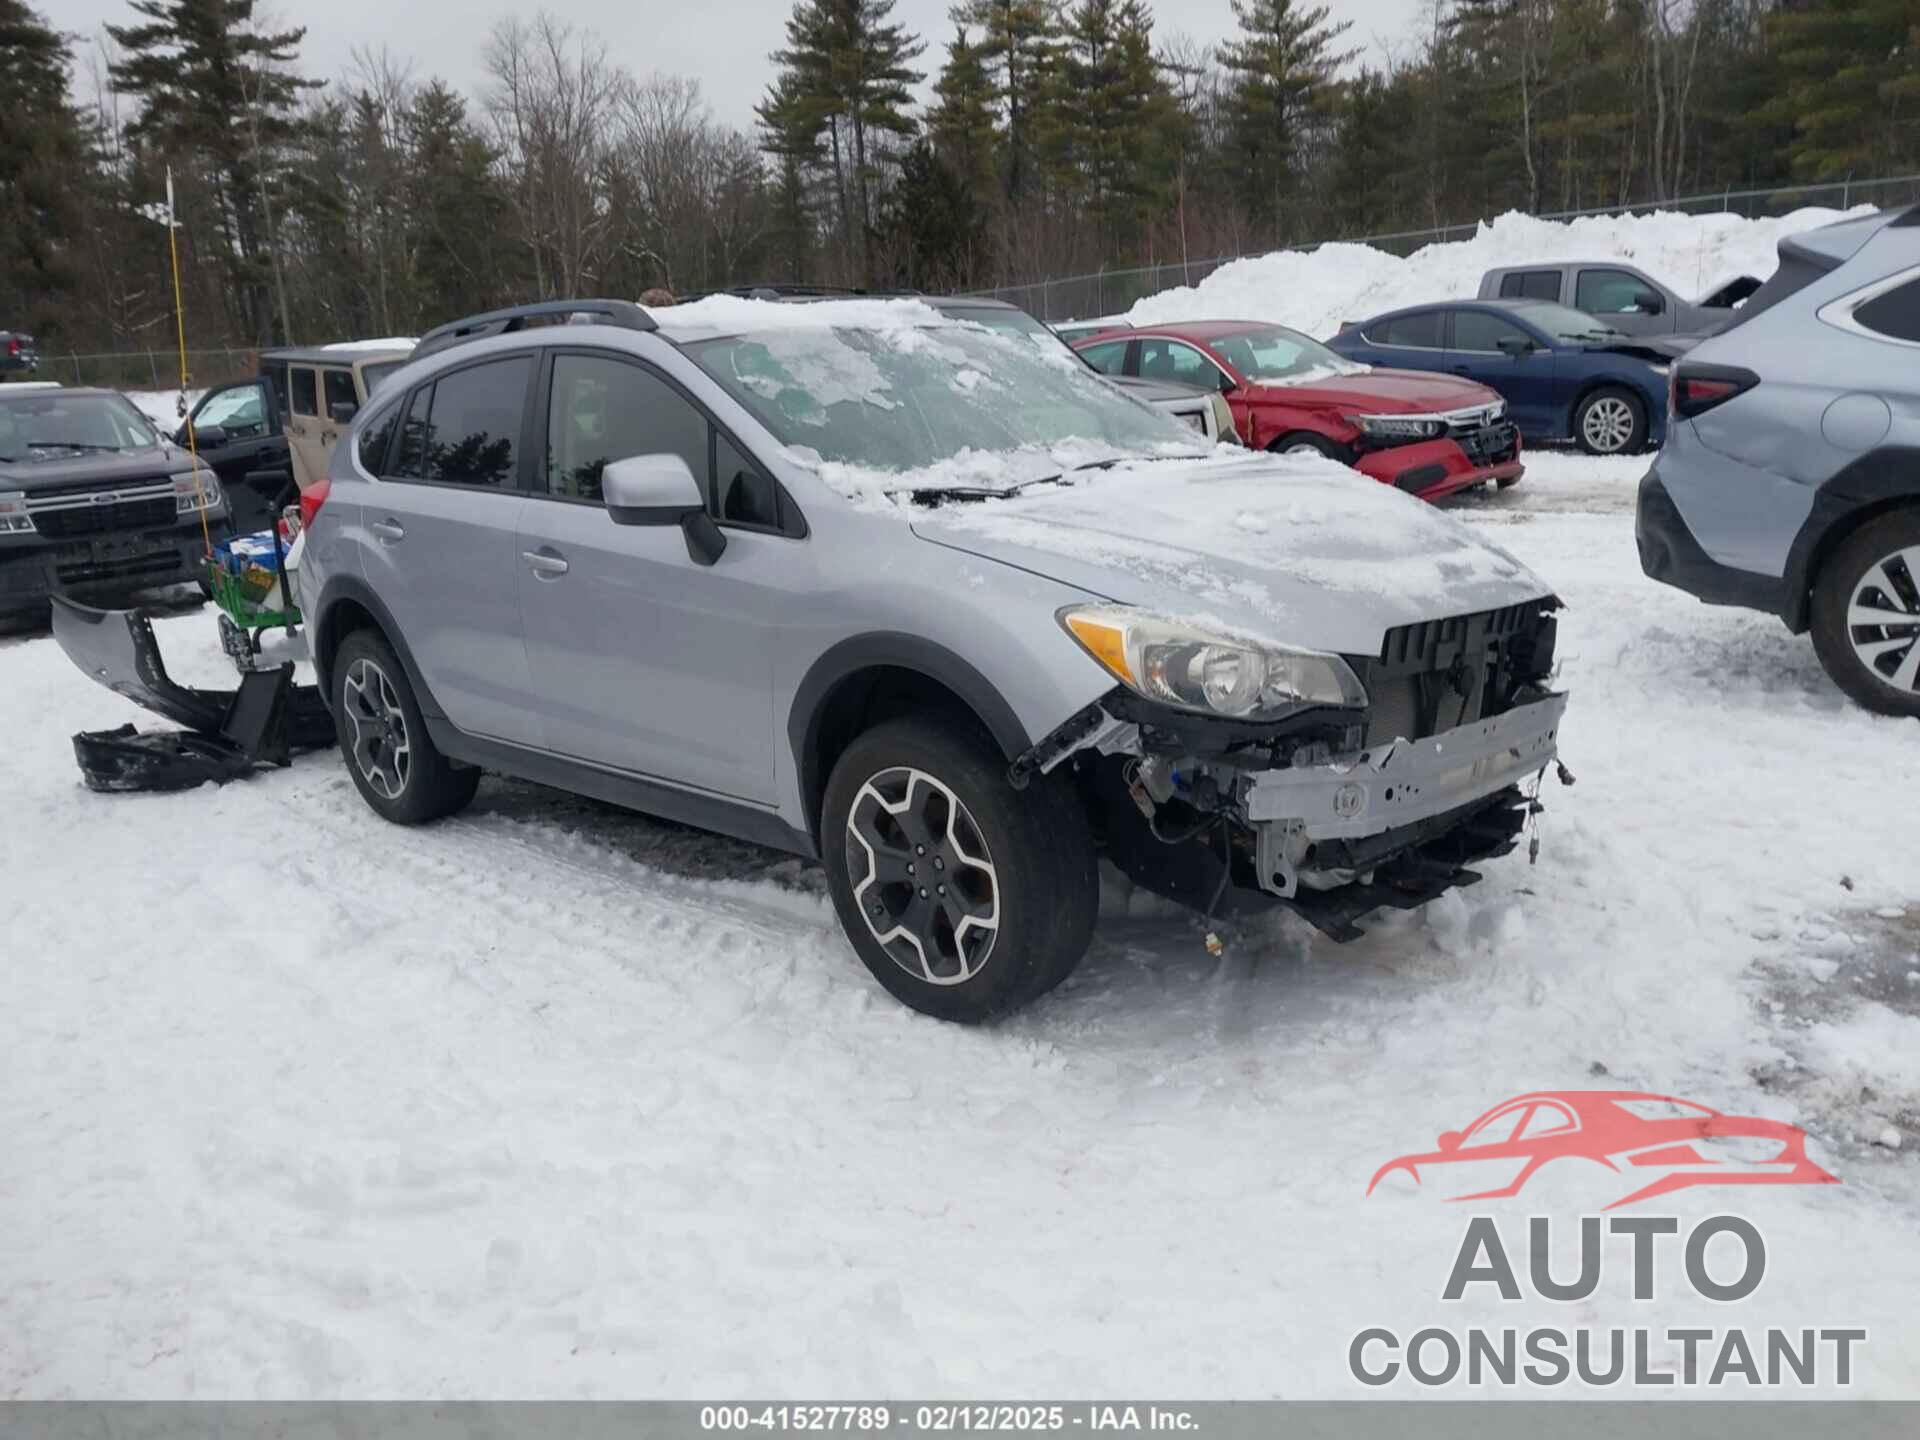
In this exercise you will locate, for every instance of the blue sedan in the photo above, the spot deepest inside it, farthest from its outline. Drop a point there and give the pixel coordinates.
(1564, 374)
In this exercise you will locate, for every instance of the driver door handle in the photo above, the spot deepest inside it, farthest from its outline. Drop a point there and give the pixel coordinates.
(544, 563)
(388, 530)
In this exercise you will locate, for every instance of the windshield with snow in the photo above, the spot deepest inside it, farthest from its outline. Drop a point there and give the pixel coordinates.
(906, 399)
(1279, 356)
(53, 426)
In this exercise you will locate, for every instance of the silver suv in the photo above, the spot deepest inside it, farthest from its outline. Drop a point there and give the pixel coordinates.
(928, 602)
(1790, 480)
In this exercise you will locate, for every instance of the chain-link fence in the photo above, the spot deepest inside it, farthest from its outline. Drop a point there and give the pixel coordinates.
(157, 369)
(1110, 292)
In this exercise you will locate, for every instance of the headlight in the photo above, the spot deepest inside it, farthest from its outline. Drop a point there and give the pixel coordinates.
(1399, 427)
(1199, 669)
(13, 514)
(196, 491)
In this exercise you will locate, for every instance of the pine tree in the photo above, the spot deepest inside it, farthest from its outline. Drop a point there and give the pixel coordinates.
(1282, 69)
(221, 94)
(847, 72)
(45, 156)
(1852, 92)
(961, 121)
(1017, 48)
(1116, 112)
(934, 228)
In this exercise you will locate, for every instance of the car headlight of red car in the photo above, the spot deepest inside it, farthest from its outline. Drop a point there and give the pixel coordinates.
(1399, 427)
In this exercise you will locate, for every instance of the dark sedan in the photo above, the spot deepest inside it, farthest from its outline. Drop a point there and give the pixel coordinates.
(1565, 375)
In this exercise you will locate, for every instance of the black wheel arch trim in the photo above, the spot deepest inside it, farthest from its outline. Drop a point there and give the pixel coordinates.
(895, 650)
(1866, 487)
(339, 588)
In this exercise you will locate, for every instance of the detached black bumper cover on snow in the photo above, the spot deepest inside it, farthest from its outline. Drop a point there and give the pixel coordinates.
(229, 731)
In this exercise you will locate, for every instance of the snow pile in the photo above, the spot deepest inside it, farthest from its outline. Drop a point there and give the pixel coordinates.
(1317, 290)
(734, 315)
(391, 342)
(163, 407)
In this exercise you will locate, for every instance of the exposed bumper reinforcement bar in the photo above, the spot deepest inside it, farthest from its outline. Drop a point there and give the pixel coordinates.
(1393, 786)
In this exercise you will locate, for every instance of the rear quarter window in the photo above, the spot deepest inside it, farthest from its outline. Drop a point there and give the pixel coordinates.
(1530, 285)
(1894, 313)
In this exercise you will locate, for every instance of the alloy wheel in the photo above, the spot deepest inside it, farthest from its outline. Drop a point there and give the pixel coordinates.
(1608, 424)
(922, 876)
(1883, 619)
(381, 747)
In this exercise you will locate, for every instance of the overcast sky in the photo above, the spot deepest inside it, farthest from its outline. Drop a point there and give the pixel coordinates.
(722, 43)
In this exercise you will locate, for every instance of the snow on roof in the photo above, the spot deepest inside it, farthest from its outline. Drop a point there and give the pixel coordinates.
(392, 342)
(732, 315)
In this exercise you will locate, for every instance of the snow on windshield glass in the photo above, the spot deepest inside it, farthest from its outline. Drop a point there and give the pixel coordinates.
(1283, 357)
(912, 408)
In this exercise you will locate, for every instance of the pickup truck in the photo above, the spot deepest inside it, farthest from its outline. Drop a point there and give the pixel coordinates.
(1626, 298)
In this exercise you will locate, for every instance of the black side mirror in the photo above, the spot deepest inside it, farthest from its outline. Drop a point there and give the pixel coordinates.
(206, 437)
(343, 411)
(1515, 345)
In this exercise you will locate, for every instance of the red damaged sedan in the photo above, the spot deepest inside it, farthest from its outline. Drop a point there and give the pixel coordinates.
(1426, 434)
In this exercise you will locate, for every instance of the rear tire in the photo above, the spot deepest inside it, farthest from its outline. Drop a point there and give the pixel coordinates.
(964, 897)
(1874, 577)
(1610, 421)
(383, 738)
(1303, 442)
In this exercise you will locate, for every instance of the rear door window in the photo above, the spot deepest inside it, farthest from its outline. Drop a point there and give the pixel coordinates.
(1422, 330)
(1530, 285)
(339, 389)
(472, 433)
(306, 394)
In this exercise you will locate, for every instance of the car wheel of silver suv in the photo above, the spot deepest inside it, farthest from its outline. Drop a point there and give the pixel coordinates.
(391, 757)
(965, 897)
(1866, 614)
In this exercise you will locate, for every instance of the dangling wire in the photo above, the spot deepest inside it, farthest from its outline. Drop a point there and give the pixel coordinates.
(180, 333)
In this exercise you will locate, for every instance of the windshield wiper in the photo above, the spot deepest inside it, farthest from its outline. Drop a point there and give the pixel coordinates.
(67, 445)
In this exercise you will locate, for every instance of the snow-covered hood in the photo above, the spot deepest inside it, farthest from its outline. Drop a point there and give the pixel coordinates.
(1378, 392)
(1293, 549)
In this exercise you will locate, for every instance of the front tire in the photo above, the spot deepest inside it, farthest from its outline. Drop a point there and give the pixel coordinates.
(393, 761)
(1304, 442)
(1610, 421)
(964, 897)
(1866, 614)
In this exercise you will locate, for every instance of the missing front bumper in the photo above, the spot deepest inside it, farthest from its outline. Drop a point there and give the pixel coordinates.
(1312, 824)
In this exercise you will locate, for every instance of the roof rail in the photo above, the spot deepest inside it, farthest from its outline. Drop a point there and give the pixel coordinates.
(623, 313)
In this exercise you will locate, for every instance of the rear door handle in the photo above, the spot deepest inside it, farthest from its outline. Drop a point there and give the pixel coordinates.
(389, 530)
(1462, 370)
(544, 562)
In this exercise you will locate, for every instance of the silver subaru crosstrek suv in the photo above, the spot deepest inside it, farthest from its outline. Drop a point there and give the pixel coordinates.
(1790, 478)
(928, 602)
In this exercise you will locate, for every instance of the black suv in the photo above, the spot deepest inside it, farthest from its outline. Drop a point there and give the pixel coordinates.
(94, 501)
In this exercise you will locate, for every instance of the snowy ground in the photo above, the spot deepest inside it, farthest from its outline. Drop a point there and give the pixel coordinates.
(555, 1100)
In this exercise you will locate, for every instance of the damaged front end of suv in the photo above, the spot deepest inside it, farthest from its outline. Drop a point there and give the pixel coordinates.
(1226, 772)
